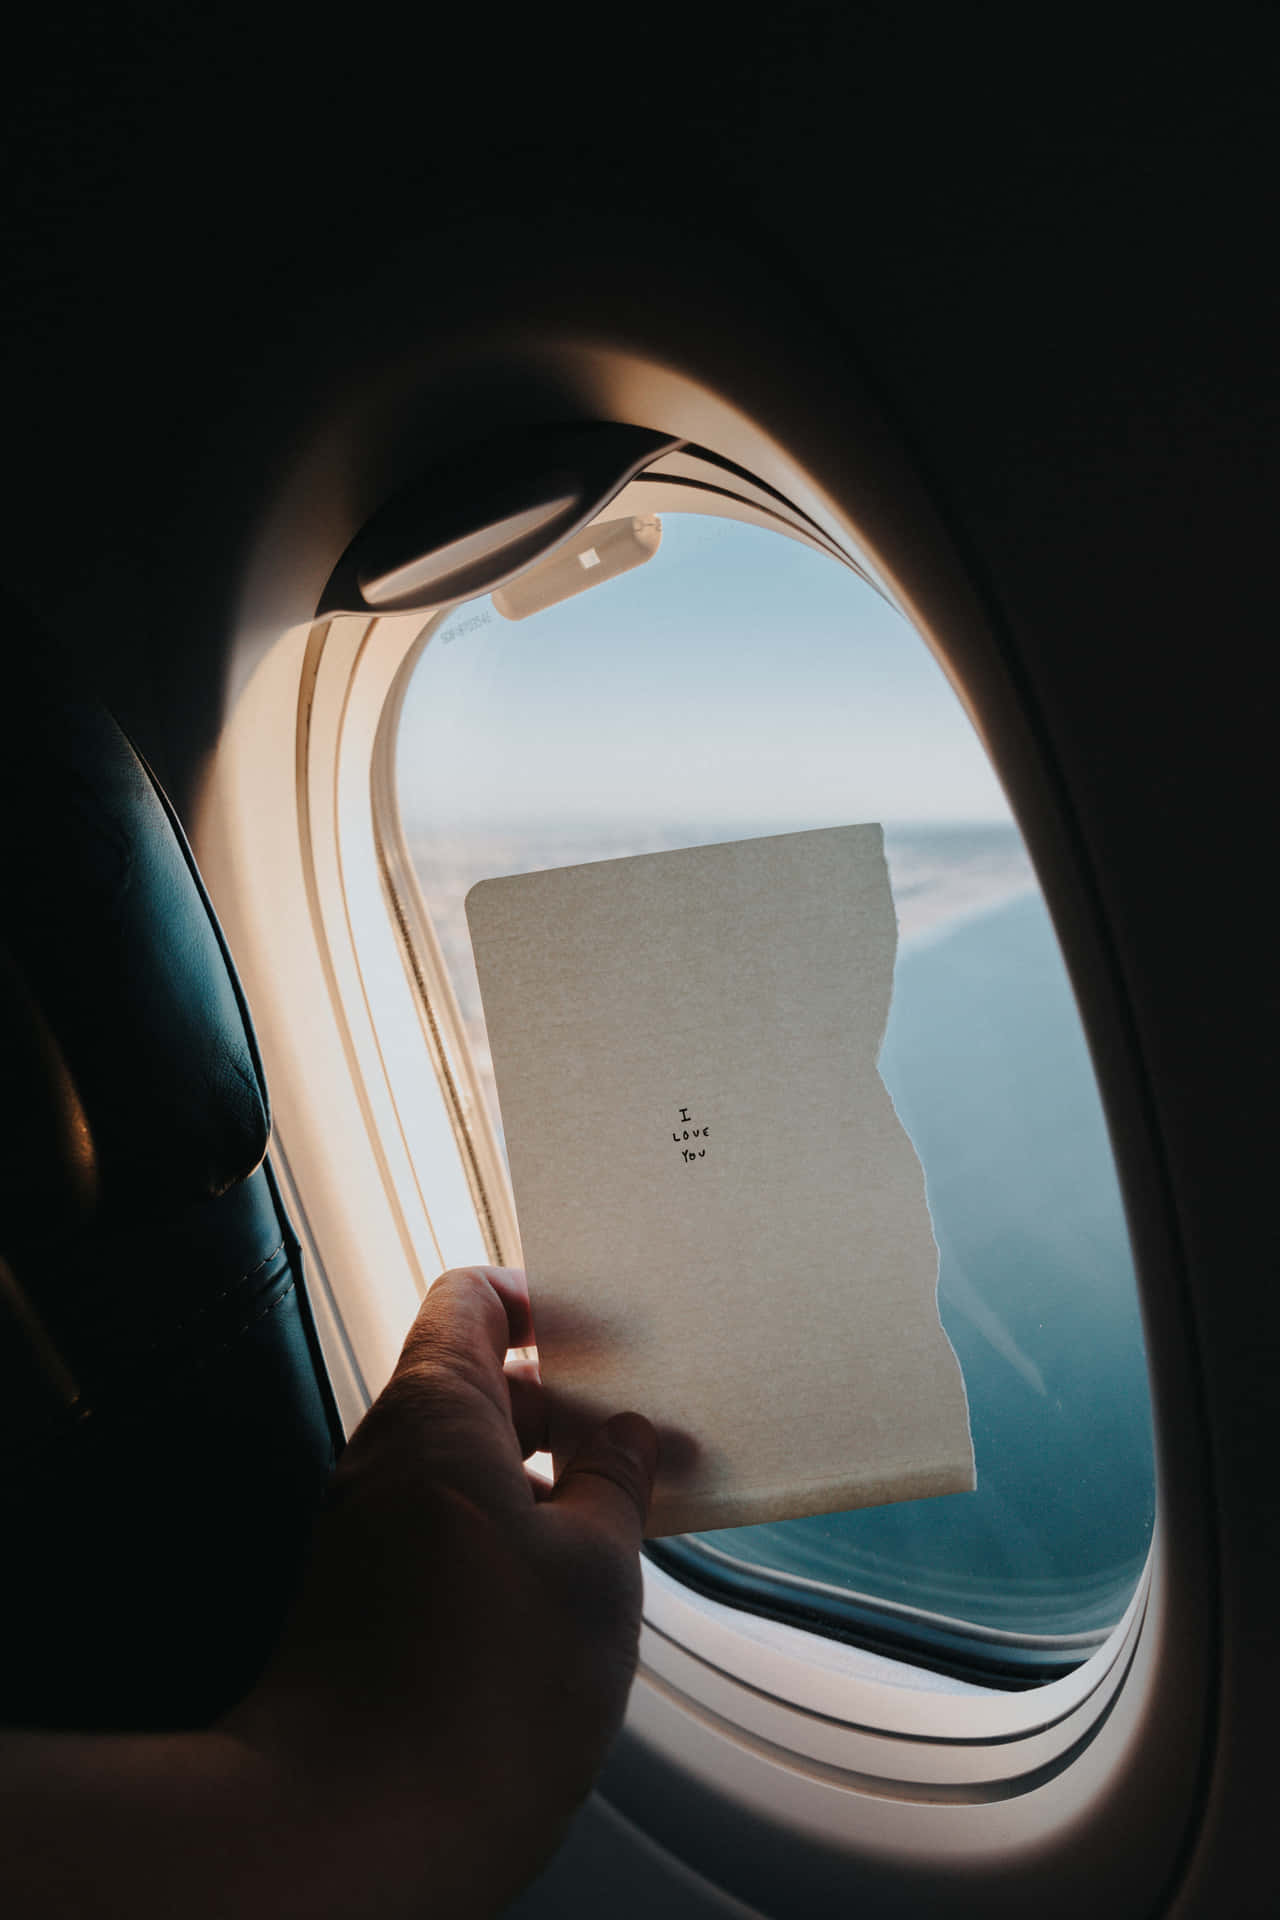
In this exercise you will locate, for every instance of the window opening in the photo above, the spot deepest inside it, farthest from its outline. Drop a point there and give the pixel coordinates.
(738, 683)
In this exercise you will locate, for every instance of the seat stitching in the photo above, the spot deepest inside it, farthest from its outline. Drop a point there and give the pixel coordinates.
(208, 1305)
(92, 1415)
(197, 1363)
(216, 1352)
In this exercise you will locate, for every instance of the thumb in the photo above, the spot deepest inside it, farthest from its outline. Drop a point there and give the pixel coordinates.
(609, 1481)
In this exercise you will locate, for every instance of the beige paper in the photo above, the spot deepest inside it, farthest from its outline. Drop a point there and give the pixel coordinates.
(723, 1220)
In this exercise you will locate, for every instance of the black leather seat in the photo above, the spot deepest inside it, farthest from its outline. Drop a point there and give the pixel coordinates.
(166, 1427)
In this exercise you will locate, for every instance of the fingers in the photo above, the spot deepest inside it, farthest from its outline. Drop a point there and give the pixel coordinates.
(462, 1339)
(512, 1289)
(473, 1313)
(450, 1379)
(609, 1481)
(528, 1406)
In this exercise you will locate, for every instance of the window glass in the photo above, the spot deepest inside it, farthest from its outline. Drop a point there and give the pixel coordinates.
(739, 683)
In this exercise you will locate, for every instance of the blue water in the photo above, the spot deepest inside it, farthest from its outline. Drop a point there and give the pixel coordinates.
(988, 1068)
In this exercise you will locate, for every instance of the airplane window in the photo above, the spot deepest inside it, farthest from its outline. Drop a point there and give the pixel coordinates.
(739, 683)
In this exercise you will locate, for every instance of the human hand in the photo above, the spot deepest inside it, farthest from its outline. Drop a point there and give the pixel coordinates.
(464, 1642)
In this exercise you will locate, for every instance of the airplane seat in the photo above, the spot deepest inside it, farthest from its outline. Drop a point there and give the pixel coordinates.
(166, 1426)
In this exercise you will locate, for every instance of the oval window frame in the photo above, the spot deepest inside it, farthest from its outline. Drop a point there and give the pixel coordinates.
(1048, 1830)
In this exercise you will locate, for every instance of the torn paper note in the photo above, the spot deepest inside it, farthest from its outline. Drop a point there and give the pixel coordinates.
(723, 1220)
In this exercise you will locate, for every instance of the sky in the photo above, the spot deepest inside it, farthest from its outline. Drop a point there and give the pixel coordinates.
(735, 677)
